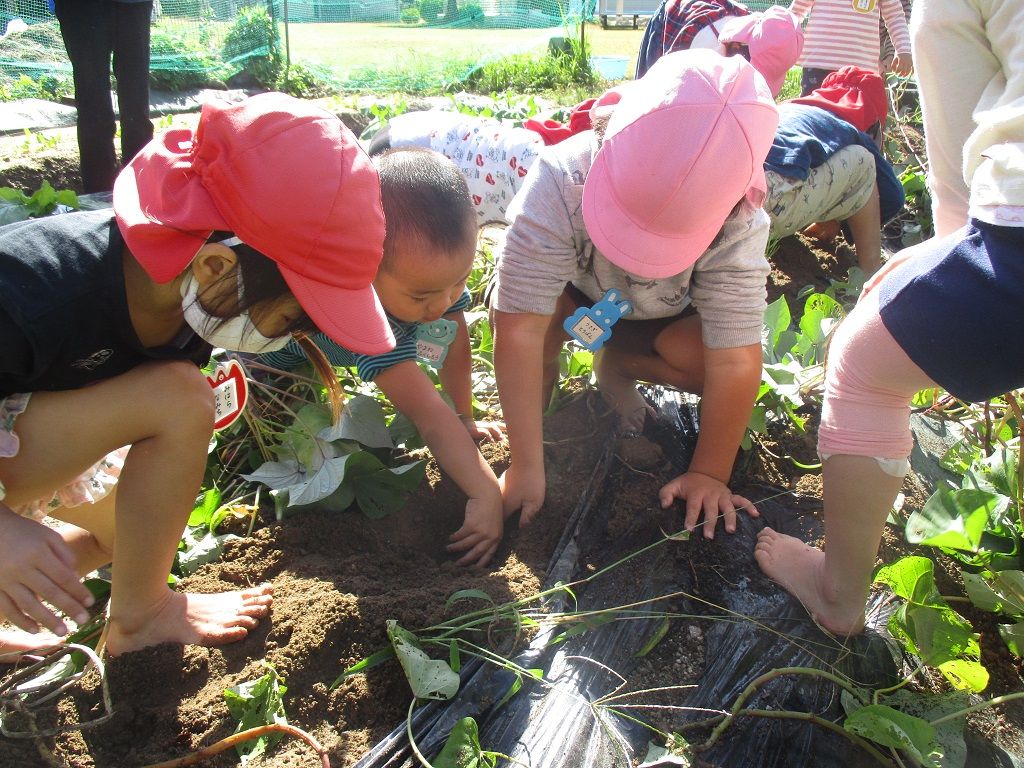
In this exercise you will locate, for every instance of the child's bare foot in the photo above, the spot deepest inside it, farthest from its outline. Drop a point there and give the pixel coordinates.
(15, 644)
(190, 618)
(621, 394)
(799, 568)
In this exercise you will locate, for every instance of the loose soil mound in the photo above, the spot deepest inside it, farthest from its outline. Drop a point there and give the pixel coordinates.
(339, 577)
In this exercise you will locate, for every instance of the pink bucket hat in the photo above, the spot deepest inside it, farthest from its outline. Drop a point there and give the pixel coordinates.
(685, 143)
(290, 180)
(774, 39)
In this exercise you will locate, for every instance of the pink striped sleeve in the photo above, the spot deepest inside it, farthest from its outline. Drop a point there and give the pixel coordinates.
(896, 23)
(799, 8)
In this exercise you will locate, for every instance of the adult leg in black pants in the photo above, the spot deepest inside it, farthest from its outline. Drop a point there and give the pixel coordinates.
(93, 31)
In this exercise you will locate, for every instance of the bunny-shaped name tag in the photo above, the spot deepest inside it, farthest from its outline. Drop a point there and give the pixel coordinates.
(592, 326)
(432, 340)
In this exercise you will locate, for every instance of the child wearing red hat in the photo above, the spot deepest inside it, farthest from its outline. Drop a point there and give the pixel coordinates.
(428, 255)
(264, 221)
(670, 232)
(823, 167)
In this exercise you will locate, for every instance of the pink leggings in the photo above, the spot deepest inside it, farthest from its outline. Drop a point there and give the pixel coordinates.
(868, 386)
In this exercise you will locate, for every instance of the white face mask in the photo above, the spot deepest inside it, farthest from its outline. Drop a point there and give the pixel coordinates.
(238, 334)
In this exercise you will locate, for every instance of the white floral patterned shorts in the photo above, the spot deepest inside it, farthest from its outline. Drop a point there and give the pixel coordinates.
(833, 191)
(88, 488)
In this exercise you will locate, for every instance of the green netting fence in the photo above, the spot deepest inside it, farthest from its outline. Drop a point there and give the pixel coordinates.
(374, 45)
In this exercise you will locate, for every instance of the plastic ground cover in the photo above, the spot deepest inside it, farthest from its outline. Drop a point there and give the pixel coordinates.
(763, 628)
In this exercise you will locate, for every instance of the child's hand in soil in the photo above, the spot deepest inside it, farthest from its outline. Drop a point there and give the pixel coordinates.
(37, 565)
(523, 491)
(483, 430)
(480, 533)
(705, 495)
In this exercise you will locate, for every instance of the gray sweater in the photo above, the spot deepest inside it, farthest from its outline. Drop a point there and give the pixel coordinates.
(547, 246)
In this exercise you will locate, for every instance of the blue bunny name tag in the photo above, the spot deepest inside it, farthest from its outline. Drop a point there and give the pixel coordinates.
(592, 326)
(433, 339)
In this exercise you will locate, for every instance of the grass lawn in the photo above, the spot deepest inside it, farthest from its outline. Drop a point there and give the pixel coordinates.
(343, 47)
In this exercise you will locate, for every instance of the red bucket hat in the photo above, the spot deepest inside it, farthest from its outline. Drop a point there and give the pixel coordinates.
(853, 94)
(290, 180)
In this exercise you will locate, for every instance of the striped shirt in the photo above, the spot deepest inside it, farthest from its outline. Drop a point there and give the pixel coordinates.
(846, 32)
(368, 367)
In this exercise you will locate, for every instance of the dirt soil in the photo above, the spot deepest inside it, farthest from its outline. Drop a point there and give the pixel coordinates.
(339, 577)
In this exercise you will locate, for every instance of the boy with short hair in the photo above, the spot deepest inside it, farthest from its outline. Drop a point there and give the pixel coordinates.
(428, 255)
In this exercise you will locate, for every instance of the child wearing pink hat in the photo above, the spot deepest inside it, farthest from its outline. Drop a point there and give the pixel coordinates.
(675, 228)
(770, 40)
(265, 221)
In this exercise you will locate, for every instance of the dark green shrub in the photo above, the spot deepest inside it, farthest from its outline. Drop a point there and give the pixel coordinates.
(307, 80)
(431, 9)
(177, 62)
(411, 15)
(254, 43)
(54, 87)
(471, 10)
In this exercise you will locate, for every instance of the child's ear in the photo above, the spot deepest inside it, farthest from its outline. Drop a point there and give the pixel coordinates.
(213, 262)
(210, 267)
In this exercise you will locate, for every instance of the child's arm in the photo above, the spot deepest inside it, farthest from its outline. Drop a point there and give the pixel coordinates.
(36, 564)
(732, 377)
(455, 377)
(410, 390)
(518, 364)
(896, 23)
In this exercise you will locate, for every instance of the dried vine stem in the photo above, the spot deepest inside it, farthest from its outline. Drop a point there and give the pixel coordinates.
(239, 738)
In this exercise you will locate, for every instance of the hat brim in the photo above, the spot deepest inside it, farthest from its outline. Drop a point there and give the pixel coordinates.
(639, 251)
(164, 213)
(354, 319)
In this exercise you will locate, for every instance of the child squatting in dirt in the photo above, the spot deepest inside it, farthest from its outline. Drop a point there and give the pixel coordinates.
(428, 256)
(265, 220)
(676, 228)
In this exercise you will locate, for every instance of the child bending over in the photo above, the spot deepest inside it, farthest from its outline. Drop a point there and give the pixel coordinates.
(824, 167)
(263, 221)
(428, 255)
(493, 156)
(925, 320)
(770, 40)
(676, 228)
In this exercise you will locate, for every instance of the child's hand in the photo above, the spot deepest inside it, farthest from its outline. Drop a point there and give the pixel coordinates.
(483, 430)
(902, 65)
(522, 491)
(707, 495)
(37, 565)
(480, 533)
